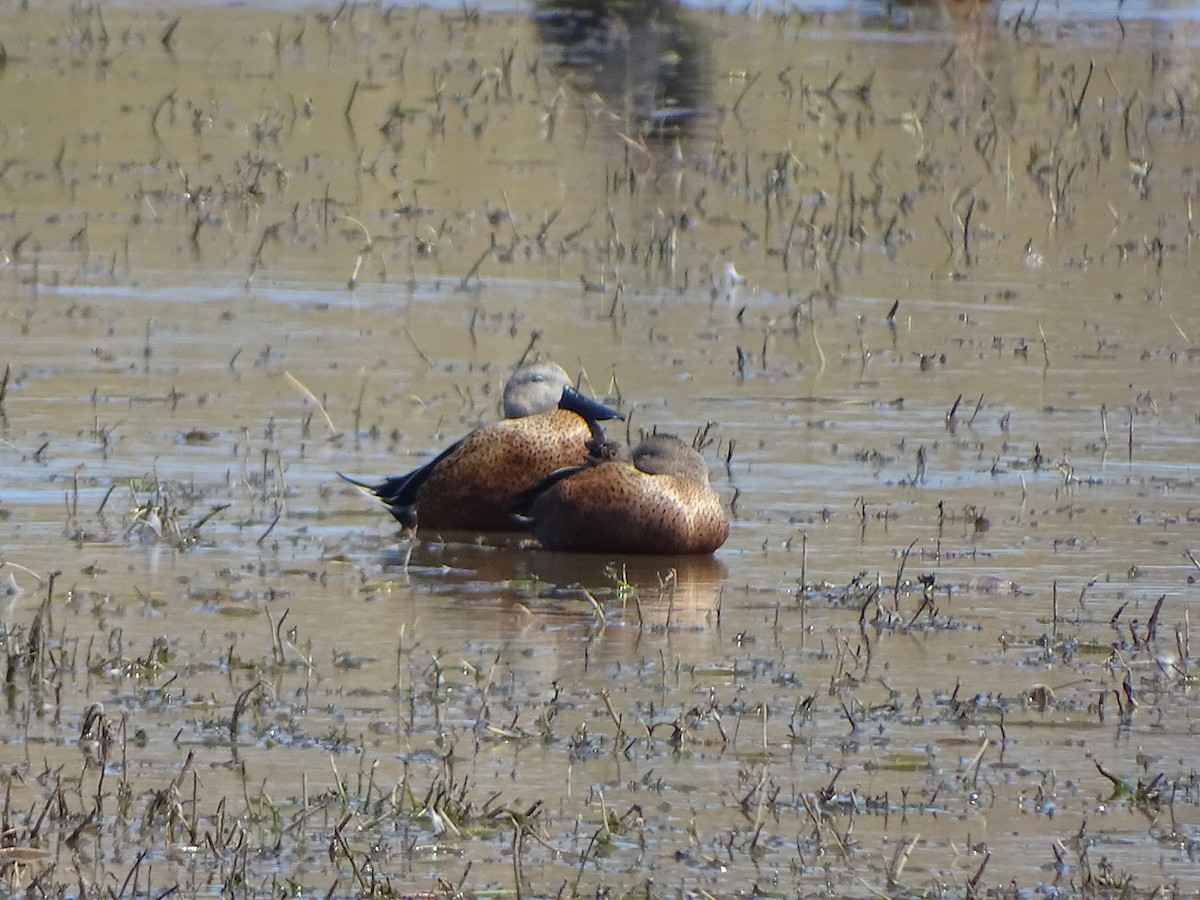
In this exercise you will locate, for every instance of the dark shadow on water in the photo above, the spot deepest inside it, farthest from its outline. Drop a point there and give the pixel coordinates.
(650, 61)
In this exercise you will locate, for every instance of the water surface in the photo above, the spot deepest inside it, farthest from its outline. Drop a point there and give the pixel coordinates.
(927, 291)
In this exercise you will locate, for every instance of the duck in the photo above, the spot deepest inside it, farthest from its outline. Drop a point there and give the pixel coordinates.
(473, 484)
(654, 500)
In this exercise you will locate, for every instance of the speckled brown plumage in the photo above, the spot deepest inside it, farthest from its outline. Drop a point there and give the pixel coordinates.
(473, 484)
(613, 506)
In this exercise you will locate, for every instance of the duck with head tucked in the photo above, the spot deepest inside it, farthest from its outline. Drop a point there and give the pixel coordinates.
(473, 484)
(655, 500)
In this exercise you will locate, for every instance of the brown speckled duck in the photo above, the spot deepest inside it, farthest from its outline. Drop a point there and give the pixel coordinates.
(658, 501)
(473, 484)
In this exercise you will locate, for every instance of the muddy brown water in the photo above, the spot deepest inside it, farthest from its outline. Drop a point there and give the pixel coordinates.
(936, 620)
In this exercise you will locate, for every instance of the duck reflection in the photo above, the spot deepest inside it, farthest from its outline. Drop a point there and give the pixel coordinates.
(685, 589)
(649, 60)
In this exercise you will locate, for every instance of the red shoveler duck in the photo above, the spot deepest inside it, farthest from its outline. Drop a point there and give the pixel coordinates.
(655, 500)
(473, 484)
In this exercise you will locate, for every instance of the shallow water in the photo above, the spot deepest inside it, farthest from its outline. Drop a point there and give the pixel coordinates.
(384, 212)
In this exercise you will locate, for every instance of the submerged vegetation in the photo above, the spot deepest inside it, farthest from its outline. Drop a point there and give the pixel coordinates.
(923, 289)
